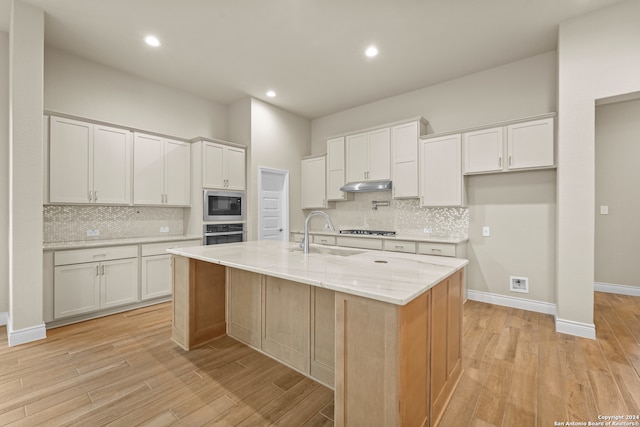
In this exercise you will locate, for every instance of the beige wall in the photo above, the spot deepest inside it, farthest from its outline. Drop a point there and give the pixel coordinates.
(520, 208)
(519, 89)
(279, 140)
(25, 196)
(83, 88)
(617, 150)
(599, 56)
(4, 172)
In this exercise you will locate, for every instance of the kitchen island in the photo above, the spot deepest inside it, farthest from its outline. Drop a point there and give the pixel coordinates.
(384, 329)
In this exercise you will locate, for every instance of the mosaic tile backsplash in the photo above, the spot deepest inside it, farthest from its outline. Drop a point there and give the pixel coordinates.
(70, 223)
(402, 216)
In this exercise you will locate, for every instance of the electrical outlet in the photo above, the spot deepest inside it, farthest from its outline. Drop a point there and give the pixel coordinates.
(93, 232)
(604, 210)
(164, 229)
(427, 230)
(519, 284)
(486, 231)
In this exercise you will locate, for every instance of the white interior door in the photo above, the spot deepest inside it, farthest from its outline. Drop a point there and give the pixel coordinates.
(273, 204)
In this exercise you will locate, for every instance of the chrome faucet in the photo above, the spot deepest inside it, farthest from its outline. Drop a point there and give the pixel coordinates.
(305, 240)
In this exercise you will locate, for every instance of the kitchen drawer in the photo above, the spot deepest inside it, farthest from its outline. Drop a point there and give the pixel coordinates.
(77, 256)
(440, 249)
(360, 242)
(400, 246)
(297, 237)
(324, 240)
(150, 249)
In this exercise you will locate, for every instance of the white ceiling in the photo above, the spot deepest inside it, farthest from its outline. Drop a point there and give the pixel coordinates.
(309, 51)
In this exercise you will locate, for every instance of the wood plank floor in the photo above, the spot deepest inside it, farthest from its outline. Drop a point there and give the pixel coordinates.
(123, 370)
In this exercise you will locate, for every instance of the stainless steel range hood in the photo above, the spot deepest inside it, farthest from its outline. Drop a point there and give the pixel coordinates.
(361, 187)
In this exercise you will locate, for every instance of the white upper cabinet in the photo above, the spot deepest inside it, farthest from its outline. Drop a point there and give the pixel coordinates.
(404, 159)
(314, 183)
(483, 150)
(335, 169)
(161, 171)
(368, 156)
(223, 166)
(524, 145)
(530, 144)
(88, 163)
(441, 182)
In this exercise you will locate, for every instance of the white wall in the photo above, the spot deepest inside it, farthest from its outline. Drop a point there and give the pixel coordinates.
(26, 67)
(4, 172)
(617, 234)
(279, 140)
(519, 89)
(599, 56)
(83, 88)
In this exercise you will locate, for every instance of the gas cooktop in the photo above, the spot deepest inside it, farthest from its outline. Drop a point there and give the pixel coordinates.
(369, 232)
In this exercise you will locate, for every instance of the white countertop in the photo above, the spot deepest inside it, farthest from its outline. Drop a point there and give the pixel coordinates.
(391, 277)
(54, 246)
(400, 236)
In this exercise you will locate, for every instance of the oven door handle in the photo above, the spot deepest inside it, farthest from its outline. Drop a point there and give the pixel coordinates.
(230, 233)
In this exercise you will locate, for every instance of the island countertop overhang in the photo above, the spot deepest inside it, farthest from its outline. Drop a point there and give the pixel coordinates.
(391, 277)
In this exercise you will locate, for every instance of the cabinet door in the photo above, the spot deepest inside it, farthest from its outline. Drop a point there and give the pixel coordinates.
(285, 321)
(335, 169)
(177, 173)
(530, 144)
(156, 276)
(70, 161)
(235, 167)
(119, 282)
(357, 157)
(483, 150)
(111, 165)
(76, 289)
(441, 172)
(404, 150)
(213, 165)
(379, 155)
(323, 322)
(148, 169)
(313, 183)
(244, 312)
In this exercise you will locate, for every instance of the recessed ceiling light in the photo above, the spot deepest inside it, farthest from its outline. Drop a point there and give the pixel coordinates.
(271, 94)
(152, 41)
(371, 51)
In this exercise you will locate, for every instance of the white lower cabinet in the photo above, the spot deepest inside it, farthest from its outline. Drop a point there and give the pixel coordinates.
(155, 263)
(83, 284)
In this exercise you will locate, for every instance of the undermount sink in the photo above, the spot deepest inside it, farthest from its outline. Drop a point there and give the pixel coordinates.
(327, 250)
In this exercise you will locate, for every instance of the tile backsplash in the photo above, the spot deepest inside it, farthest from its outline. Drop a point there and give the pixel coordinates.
(70, 223)
(403, 216)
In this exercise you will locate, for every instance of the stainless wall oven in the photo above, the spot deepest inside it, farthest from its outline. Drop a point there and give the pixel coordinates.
(223, 205)
(216, 234)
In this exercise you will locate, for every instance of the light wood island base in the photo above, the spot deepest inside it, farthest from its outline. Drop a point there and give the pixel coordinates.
(393, 365)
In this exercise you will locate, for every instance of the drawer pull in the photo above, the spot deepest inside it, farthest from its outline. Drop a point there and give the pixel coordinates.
(97, 270)
(399, 247)
(436, 250)
(97, 255)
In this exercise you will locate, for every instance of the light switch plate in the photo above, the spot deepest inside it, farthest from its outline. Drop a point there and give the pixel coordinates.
(164, 229)
(486, 231)
(93, 232)
(427, 230)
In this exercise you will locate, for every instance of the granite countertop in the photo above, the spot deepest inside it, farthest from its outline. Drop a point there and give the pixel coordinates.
(400, 236)
(85, 244)
(391, 277)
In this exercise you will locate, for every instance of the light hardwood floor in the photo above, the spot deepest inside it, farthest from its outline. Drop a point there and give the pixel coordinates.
(124, 370)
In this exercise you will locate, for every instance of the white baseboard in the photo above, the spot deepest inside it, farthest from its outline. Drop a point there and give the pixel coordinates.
(611, 288)
(26, 335)
(4, 318)
(513, 302)
(579, 329)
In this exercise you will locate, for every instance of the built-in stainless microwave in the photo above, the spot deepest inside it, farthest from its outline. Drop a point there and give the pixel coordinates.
(223, 205)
